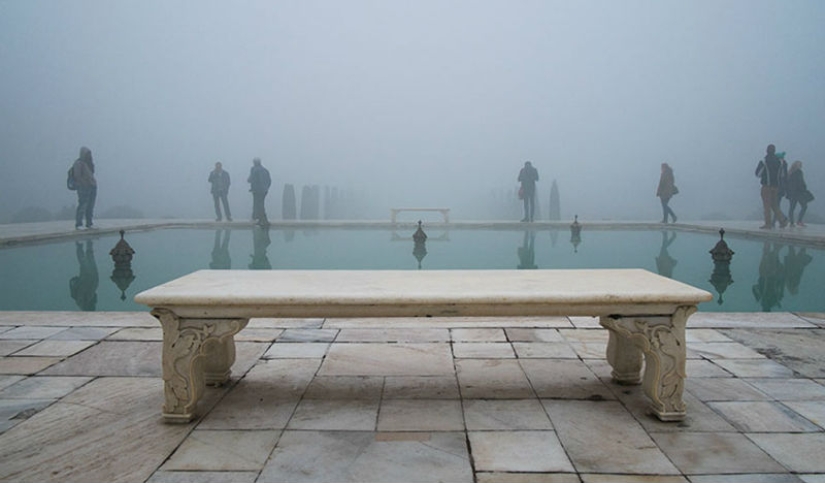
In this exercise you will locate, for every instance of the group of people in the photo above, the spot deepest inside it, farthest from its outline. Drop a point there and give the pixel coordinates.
(259, 183)
(777, 182)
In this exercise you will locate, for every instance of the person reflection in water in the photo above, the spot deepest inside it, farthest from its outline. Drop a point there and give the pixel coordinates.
(220, 252)
(795, 262)
(527, 252)
(664, 262)
(83, 287)
(770, 287)
(260, 242)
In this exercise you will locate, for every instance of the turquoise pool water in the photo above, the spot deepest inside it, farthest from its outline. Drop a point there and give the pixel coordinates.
(81, 275)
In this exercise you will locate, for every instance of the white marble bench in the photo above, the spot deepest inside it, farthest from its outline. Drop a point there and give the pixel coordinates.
(201, 312)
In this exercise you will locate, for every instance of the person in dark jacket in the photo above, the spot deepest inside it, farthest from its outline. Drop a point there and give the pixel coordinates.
(83, 172)
(768, 171)
(259, 182)
(220, 190)
(666, 190)
(797, 192)
(528, 177)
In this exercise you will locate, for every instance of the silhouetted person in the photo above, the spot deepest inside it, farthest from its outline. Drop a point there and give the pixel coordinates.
(220, 251)
(770, 287)
(260, 242)
(768, 171)
(259, 182)
(83, 171)
(528, 177)
(83, 287)
(795, 263)
(220, 191)
(797, 192)
(666, 190)
(664, 262)
(527, 252)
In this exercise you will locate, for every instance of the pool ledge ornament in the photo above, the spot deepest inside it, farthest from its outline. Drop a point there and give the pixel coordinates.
(122, 275)
(721, 252)
(721, 277)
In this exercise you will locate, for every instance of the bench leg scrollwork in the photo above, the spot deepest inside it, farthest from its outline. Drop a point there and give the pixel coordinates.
(196, 353)
(662, 342)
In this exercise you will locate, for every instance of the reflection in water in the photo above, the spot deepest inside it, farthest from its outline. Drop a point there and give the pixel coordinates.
(770, 287)
(220, 251)
(664, 262)
(260, 242)
(83, 287)
(527, 252)
(420, 244)
(795, 263)
(575, 234)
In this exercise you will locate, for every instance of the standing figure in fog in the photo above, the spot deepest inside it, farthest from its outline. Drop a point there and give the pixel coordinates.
(528, 177)
(768, 171)
(259, 182)
(220, 190)
(666, 190)
(797, 192)
(83, 172)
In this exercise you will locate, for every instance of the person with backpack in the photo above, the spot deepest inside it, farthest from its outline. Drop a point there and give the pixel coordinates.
(259, 182)
(769, 170)
(797, 192)
(82, 177)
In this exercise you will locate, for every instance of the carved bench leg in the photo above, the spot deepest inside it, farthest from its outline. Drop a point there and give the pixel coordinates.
(196, 352)
(625, 358)
(662, 340)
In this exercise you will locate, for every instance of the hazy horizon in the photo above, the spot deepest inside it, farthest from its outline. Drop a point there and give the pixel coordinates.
(422, 104)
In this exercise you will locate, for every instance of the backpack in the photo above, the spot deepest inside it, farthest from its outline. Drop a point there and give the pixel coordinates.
(70, 182)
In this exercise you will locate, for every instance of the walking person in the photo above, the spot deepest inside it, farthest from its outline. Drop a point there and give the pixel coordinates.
(768, 171)
(528, 177)
(797, 192)
(220, 190)
(83, 172)
(667, 188)
(259, 182)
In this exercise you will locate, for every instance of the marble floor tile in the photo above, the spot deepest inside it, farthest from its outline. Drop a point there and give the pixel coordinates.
(762, 417)
(715, 453)
(43, 387)
(706, 368)
(800, 452)
(308, 335)
(26, 366)
(358, 359)
(584, 322)
(511, 477)
(22, 408)
(813, 411)
(85, 333)
(345, 387)
(138, 334)
(297, 350)
(602, 437)
(203, 477)
(754, 368)
(505, 415)
(56, 348)
(544, 350)
(723, 389)
(31, 332)
(394, 335)
(362, 457)
(747, 478)
(258, 335)
(252, 406)
(522, 451)
(273, 323)
(589, 349)
(533, 335)
(207, 450)
(493, 334)
(10, 346)
(700, 417)
(108, 430)
(724, 350)
(693, 336)
(335, 415)
(420, 415)
(492, 379)
(790, 389)
(6, 381)
(113, 358)
(564, 379)
(483, 350)
(614, 478)
(426, 387)
(718, 320)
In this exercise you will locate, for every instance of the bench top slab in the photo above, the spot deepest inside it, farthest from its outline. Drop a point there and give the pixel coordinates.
(401, 293)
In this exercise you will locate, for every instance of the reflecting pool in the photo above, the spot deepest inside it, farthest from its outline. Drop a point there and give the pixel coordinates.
(81, 275)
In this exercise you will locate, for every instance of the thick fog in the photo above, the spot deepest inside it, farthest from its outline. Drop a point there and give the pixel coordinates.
(411, 104)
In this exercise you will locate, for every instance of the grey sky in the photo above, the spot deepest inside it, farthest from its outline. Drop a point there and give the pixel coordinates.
(424, 103)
